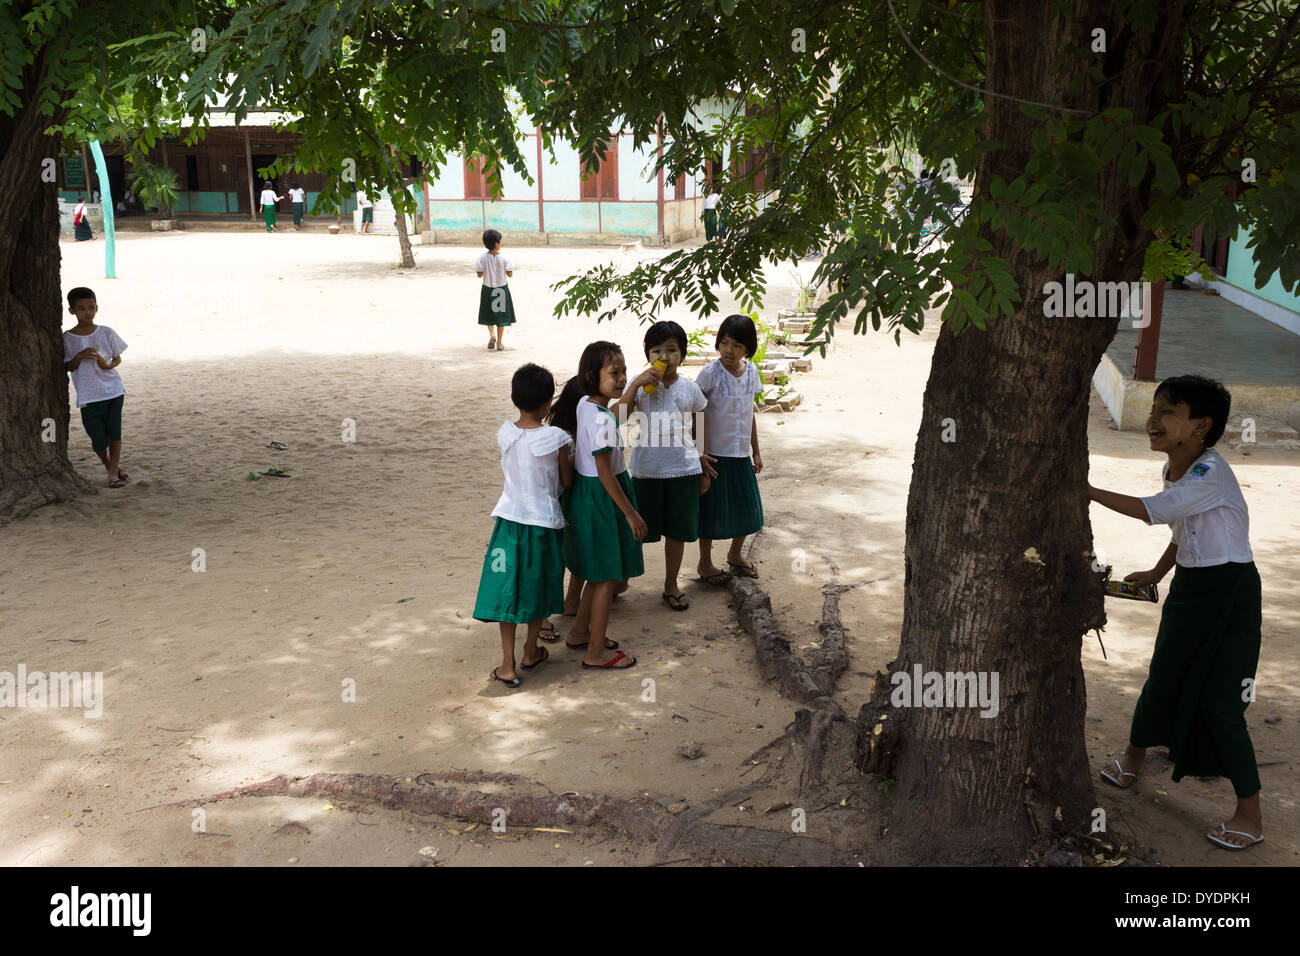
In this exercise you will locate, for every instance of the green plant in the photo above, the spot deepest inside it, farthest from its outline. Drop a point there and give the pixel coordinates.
(806, 293)
(156, 186)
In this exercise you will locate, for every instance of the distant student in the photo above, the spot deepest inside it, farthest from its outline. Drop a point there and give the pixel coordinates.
(496, 309)
(1197, 689)
(92, 353)
(298, 196)
(710, 214)
(367, 207)
(81, 222)
(266, 205)
(602, 544)
(731, 507)
(523, 572)
(665, 464)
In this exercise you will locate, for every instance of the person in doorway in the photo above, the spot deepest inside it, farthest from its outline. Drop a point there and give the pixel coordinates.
(267, 206)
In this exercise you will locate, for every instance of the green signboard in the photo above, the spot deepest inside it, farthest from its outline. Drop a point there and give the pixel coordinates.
(74, 173)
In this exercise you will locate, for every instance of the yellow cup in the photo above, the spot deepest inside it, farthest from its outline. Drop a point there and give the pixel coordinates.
(663, 367)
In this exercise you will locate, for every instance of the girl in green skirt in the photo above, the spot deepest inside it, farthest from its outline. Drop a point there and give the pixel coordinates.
(496, 309)
(267, 203)
(665, 463)
(602, 543)
(731, 506)
(523, 572)
(1202, 673)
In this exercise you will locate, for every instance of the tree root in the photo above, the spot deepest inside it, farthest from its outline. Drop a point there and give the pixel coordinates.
(640, 819)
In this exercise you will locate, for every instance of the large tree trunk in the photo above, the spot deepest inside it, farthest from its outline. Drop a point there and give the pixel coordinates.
(983, 789)
(33, 383)
(404, 241)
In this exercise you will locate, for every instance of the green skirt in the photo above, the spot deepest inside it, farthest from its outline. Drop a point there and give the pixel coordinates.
(268, 215)
(1205, 653)
(299, 210)
(731, 508)
(523, 574)
(670, 507)
(710, 218)
(495, 307)
(598, 543)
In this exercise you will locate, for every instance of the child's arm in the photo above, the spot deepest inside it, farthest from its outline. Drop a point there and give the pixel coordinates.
(80, 357)
(707, 461)
(566, 468)
(1156, 574)
(753, 441)
(510, 273)
(615, 491)
(651, 376)
(1124, 504)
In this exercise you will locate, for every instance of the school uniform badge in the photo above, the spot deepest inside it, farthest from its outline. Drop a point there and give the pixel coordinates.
(1200, 470)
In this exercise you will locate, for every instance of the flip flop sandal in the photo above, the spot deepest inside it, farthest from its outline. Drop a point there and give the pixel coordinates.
(1105, 775)
(492, 344)
(1217, 838)
(546, 655)
(548, 628)
(277, 444)
(609, 645)
(609, 665)
(123, 475)
(509, 683)
(119, 483)
(718, 579)
(681, 603)
(277, 473)
(744, 570)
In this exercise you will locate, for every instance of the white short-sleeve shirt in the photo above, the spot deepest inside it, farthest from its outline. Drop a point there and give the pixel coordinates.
(711, 200)
(1207, 512)
(363, 200)
(494, 268)
(663, 447)
(729, 416)
(268, 198)
(94, 384)
(529, 460)
(298, 195)
(597, 431)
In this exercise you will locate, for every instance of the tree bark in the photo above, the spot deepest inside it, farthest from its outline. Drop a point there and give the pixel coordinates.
(984, 789)
(33, 383)
(404, 240)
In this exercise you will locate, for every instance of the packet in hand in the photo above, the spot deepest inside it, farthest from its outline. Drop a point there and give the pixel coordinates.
(663, 367)
(1135, 592)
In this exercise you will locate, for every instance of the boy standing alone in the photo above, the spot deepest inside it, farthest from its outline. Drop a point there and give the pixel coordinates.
(92, 354)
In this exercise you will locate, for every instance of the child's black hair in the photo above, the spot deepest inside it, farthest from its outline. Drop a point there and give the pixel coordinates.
(564, 413)
(77, 294)
(1204, 397)
(531, 387)
(491, 238)
(741, 328)
(662, 332)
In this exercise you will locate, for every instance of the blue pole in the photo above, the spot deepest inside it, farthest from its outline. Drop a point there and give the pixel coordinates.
(106, 197)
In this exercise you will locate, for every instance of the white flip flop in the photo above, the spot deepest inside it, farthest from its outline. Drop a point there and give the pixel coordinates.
(1105, 775)
(1217, 839)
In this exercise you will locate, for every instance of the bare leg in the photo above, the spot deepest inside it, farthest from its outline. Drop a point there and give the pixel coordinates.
(1248, 819)
(507, 668)
(706, 567)
(114, 457)
(735, 554)
(573, 596)
(501, 331)
(672, 565)
(598, 609)
(531, 654)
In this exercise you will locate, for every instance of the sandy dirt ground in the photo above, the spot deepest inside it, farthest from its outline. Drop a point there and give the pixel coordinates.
(363, 566)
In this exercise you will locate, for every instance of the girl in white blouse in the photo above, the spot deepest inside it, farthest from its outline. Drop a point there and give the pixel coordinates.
(522, 581)
(731, 507)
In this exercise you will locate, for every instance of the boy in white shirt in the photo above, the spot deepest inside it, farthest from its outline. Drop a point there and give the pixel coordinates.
(523, 573)
(1194, 700)
(496, 309)
(92, 353)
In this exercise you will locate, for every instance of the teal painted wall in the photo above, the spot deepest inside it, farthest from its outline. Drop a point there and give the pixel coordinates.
(207, 202)
(1241, 273)
(631, 218)
(572, 217)
(456, 216)
(512, 216)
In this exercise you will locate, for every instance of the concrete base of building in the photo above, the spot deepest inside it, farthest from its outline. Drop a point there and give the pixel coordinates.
(467, 238)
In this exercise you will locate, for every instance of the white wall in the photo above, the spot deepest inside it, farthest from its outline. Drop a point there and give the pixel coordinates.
(635, 177)
(448, 180)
